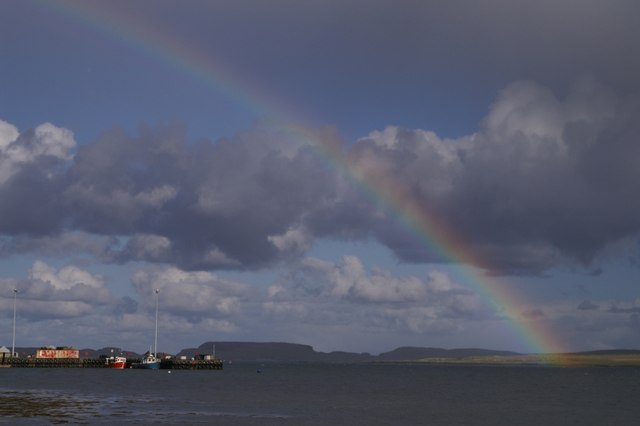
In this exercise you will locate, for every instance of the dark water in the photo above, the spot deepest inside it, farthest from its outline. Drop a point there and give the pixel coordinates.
(324, 395)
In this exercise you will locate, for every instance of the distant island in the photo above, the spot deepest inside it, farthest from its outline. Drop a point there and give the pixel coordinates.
(278, 352)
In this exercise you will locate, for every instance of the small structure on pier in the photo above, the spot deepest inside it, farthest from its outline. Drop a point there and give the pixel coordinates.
(4, 353)
(60, 352)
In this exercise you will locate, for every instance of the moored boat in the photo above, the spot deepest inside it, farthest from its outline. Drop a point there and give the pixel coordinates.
(116, 362)
(149, 362)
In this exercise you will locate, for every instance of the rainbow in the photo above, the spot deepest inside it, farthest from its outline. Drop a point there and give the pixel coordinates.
(201, 66)
(438, 237)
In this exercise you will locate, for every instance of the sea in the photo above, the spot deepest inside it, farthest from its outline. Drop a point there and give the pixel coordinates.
(324, 394)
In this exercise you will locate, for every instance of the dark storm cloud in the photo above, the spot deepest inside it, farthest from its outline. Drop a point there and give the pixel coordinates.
(550, 40)
(203, 205)
(395, 53)
(545, 180)
(389, 56)
(31, 167)
(237, 203)
(547, 40)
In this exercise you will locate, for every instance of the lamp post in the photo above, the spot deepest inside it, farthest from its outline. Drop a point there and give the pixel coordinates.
(13, 342)
(155, 343)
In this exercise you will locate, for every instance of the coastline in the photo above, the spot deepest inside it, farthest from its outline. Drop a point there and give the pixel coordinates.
(557, 360)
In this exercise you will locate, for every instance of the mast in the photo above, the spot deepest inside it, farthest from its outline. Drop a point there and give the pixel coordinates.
(155, 349)
(13, 343)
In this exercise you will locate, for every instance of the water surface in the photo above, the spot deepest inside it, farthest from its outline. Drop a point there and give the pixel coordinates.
(359, 394)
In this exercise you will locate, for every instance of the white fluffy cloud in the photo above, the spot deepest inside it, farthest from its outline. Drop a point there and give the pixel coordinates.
(68, 292)
(65, 278)
(295, 240)
(198, 294)
(323, 291)
(8, 134)
(315, 301)
(17, 150)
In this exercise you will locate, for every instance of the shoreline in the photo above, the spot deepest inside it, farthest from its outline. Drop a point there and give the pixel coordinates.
(554, 360)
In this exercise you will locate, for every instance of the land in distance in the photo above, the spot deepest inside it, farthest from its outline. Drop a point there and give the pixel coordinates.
(277, 352)
(612, 358)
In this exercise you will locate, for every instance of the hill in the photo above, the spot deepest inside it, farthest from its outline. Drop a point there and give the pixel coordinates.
(291, 352)
(280, 352)
(272, 352)
(409, 353)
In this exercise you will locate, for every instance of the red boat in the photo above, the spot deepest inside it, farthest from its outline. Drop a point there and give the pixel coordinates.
(116, 362)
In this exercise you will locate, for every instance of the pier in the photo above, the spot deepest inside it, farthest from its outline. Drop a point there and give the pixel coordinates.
(165, 364)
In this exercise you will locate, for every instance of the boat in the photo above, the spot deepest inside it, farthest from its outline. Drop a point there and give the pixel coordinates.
(116, 362)
(149, 361)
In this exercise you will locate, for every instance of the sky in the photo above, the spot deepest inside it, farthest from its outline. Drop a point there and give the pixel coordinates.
(351, 175)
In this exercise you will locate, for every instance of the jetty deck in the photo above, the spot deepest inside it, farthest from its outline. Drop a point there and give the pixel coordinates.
(165, 364)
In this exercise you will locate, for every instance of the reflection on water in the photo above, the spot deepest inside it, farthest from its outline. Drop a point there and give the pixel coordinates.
(56, 408)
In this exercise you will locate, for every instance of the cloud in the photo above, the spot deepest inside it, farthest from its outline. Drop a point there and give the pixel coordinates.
(153, 248)
(8, 134)
(586, 326)
(45, 143)
(626, 310)
(72, 242)
(194, 295)
(492, 37)
(350, 281)
(295, 240)
(587, 305)
(317, 288)
(312, 300)
(545, 181)
(67, 292)
(65, 278)
(31, 171)
(126, 305)
(236, 203)
(210, 205)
